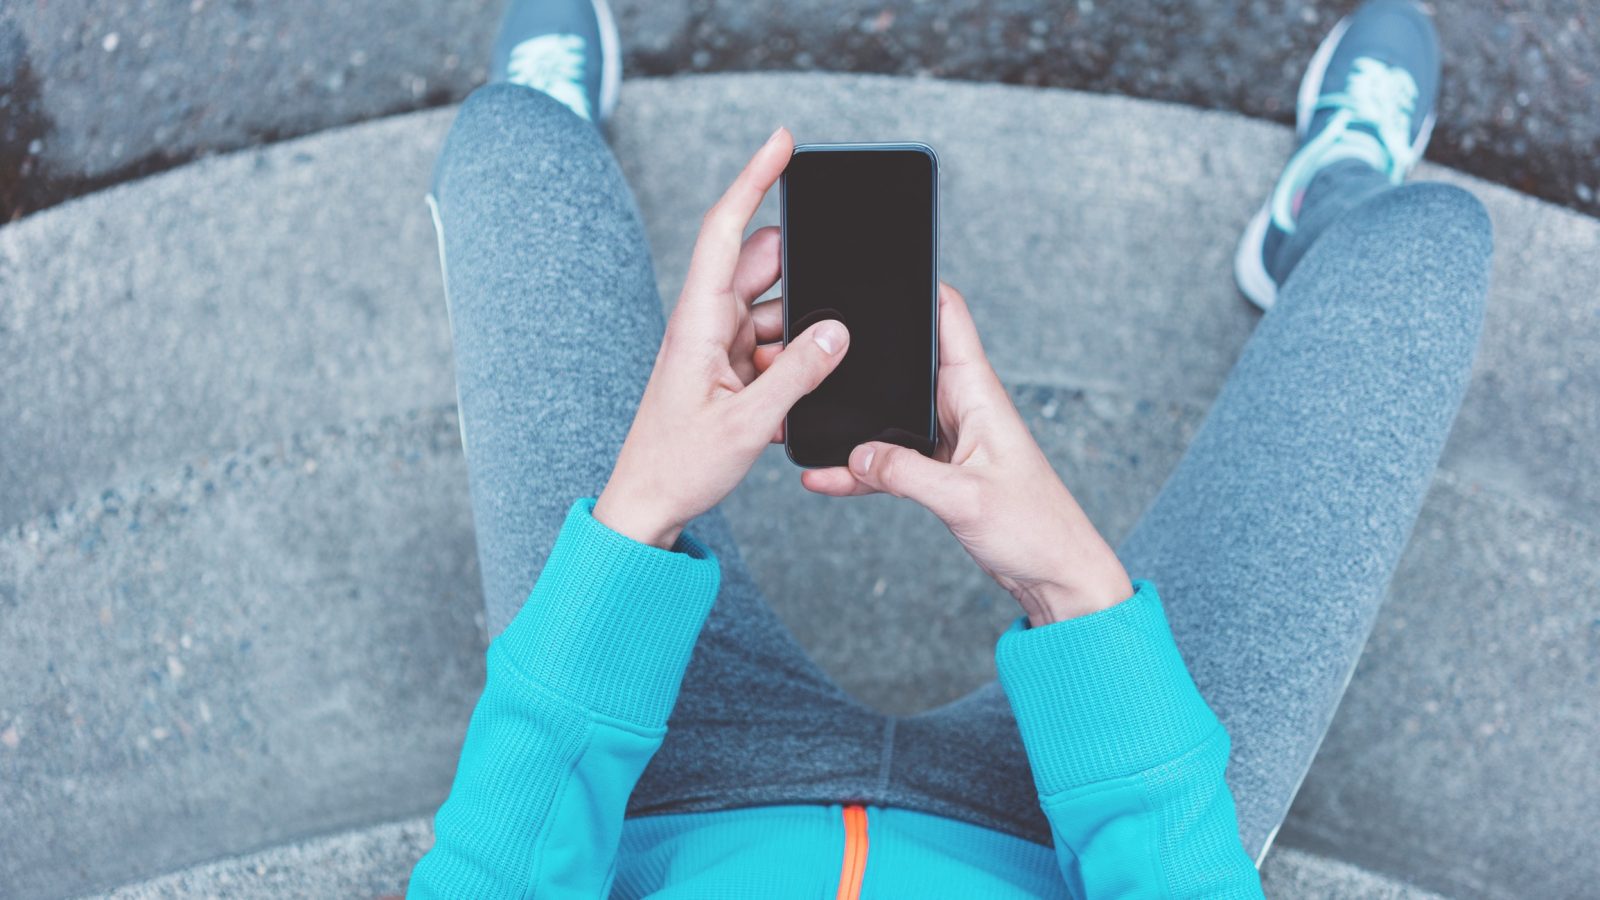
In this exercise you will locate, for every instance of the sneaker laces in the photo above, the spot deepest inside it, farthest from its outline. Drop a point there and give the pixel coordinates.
(553, 64)
(1381, 97)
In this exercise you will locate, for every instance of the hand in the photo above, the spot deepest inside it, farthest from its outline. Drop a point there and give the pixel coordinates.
(992, 485)
(706, 415)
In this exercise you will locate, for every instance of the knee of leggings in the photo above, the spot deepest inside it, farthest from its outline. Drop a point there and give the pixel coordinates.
(1442, 239)
(504, 131)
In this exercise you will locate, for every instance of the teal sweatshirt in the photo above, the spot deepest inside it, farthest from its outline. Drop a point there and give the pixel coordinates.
(1127, 758)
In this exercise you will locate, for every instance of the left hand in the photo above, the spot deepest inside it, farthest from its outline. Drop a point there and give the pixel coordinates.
(706, 415)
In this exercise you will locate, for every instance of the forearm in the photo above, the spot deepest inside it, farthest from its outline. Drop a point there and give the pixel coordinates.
(576, 700)
(538, 796)
(1128, 759)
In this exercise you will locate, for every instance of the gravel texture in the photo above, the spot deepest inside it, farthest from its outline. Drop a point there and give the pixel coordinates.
(96, 93)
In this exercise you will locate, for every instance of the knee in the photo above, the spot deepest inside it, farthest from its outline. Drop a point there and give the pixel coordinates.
(1441, 220)
(506, 134)
(1437, 241)
(503, 110)
(1446, 212)
(1457, 225)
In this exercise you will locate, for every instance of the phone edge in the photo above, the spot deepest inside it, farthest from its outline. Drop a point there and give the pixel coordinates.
(783, 244)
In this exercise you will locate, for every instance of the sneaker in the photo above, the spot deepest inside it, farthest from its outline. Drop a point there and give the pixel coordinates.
(1368, 95)
(568, 49)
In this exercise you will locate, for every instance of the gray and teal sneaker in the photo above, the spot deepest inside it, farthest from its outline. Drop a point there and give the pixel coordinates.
(565, 48)
(1368, 95)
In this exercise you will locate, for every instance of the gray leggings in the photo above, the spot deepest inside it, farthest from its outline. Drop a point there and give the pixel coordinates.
(1272, 543)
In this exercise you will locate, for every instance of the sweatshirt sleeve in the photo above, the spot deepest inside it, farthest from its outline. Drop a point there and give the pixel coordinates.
(1127, 757)
(575, 702)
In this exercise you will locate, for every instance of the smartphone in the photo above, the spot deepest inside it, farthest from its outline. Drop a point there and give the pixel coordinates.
(860, 244)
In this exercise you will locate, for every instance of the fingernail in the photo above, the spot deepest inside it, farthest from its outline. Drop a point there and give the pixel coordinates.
(775, 133)
(864, 461)
(830, 336)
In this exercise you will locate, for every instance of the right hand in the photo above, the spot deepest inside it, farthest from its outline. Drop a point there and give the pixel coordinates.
(992, 486)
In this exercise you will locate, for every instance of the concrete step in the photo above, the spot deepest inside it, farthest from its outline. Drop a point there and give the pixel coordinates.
(286, 301)
(376, 862)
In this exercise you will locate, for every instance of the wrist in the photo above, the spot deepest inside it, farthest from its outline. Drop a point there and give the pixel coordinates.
(1072, 595)
(629, 515)
(1078, 573)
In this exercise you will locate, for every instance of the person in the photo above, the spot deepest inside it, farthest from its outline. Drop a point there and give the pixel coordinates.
(648, 726)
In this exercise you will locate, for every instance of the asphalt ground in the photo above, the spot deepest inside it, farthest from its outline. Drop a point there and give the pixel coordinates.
(92, 94)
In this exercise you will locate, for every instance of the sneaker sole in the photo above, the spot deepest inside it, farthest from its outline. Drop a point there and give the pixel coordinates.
(610, 60)
(1249, 270)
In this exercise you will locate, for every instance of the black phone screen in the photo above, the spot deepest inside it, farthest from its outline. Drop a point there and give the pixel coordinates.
(859, 245)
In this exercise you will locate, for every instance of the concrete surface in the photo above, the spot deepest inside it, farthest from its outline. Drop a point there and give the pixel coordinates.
(376, 862)
(158, 337)
(96, 93)
(246, 648)
(285, 300)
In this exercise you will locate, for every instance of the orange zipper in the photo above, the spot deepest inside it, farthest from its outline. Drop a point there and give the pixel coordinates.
(855, 852)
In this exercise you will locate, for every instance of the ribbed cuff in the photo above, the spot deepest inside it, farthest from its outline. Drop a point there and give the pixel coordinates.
(1101, 696)
(611, 622)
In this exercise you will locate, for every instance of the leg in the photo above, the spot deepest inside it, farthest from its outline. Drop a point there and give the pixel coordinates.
(1275, 538)
(947, 754)
(556, 322)
(554, 317)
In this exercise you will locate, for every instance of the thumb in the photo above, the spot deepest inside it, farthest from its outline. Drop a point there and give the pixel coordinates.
(942, 488)
(795, 372)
